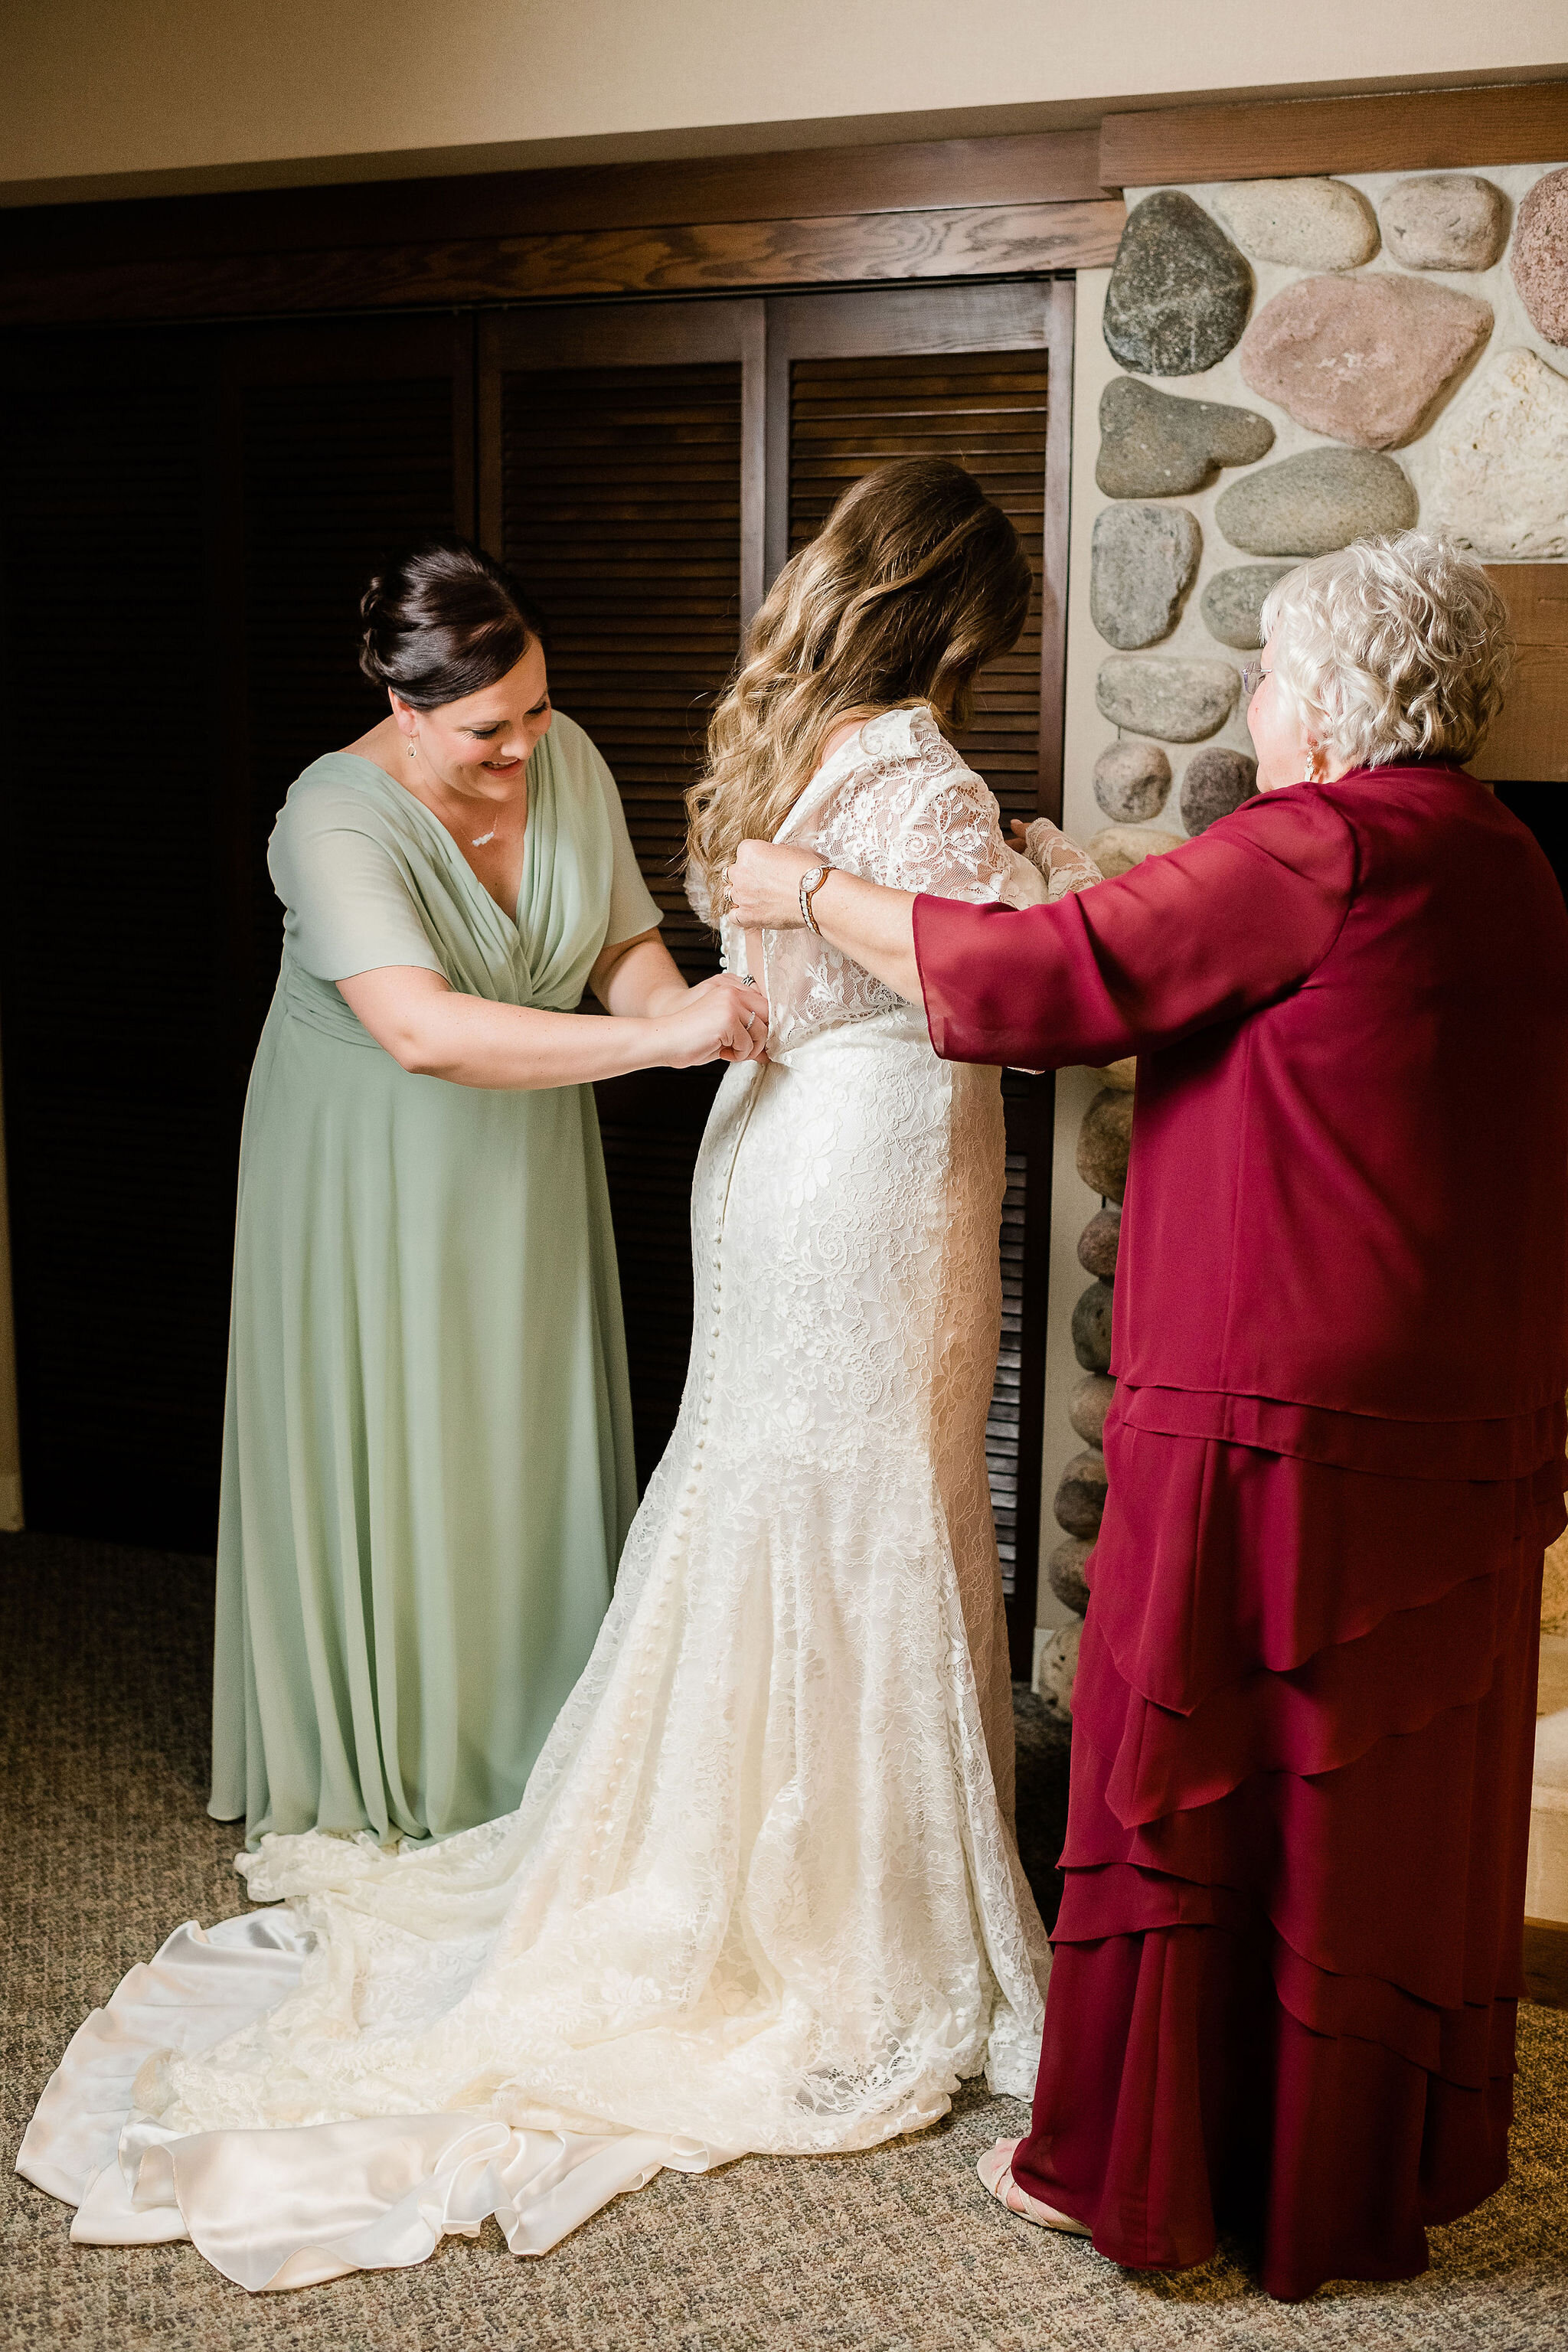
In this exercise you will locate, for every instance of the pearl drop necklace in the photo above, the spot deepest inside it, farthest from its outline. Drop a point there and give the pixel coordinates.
(476, 840)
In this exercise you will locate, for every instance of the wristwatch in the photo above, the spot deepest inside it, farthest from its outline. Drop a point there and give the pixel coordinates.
(810, 884)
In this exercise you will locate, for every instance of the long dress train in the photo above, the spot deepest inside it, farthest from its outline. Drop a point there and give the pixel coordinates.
(761, 1893)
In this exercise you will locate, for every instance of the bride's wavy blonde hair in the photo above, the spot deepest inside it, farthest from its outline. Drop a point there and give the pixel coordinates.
(915, 581)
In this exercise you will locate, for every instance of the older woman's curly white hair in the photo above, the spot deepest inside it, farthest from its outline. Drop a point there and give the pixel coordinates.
(1391, 649)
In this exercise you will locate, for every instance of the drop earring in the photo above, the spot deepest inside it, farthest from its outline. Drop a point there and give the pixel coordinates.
(412, 749)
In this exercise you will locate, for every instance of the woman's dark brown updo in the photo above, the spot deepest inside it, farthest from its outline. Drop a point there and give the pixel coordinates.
(446, 622)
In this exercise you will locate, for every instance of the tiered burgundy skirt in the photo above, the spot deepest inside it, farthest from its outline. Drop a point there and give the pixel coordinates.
(1289, 1951)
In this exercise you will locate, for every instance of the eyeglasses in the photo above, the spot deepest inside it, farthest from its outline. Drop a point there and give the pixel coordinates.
(1252, 677)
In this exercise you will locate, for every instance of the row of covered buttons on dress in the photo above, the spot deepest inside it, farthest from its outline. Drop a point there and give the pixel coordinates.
(731, 962)
(708, 1378)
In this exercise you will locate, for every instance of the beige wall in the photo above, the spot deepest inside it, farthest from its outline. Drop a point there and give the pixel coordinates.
(109, 96)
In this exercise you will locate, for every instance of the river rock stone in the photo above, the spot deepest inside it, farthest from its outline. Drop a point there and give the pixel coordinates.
(1142, 561)
(1179, 291)
(1447, 220)
(1153, 445)
(1540, 260)
(1091, 1329)
(1309, 504)
(1180, 701)
(1118, 848)
(1499, 462)
(1057, 1669)
(1121, 1075)
(1305, 224)
(1080, 1503)
(1089, 1403)
(1215, 782)
(1363, 358)
(1104, 1140)
(1065, 1572)
(1096, 1243)
(1131, 781)
(1232, 603)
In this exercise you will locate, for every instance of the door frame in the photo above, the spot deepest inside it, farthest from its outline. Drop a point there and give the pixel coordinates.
(766, 334)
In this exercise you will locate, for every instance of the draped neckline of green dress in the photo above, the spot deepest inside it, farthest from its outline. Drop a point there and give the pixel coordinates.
(405, 798)
(552, 938)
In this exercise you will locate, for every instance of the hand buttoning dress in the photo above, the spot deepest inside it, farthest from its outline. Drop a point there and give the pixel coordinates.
(761, 1893)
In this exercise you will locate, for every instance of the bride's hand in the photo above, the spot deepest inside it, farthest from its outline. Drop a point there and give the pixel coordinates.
(764, 884)
(1065, 866)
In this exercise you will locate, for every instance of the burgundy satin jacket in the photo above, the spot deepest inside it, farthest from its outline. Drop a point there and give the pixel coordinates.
(1348, 1195)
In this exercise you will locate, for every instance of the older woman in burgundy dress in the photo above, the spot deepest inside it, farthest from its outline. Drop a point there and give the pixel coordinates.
(1288, 1952)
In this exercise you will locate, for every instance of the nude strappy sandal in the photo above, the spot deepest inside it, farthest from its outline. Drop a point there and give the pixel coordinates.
(995, 2169)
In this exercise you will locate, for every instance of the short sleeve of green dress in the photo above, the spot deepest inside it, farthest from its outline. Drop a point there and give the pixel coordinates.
(428, 1458)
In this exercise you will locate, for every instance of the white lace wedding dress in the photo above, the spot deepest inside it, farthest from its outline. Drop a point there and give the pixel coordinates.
(761, 1893)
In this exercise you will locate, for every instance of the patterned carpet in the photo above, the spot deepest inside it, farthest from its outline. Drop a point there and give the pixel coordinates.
(103, 1658)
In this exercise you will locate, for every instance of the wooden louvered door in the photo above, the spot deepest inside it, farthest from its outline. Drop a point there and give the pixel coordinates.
(983, 375)
(122, 1181)
(621, 475)
(212, 503)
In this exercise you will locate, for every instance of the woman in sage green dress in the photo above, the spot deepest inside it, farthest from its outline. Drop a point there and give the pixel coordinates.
(428, 1456)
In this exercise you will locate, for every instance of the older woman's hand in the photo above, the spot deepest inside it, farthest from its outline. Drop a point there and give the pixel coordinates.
(764, 884)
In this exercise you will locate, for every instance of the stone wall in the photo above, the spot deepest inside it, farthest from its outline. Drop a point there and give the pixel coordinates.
(1272, 369)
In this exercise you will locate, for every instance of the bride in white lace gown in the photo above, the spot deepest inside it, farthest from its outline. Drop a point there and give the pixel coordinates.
(762, 1892)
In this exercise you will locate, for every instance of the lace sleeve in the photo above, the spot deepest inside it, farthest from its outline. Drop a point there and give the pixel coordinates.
(1066, 868)
(903, 810)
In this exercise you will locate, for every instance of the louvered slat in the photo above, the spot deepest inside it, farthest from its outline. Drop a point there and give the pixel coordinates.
(621, 509)
(988, 410)
(649, 1175)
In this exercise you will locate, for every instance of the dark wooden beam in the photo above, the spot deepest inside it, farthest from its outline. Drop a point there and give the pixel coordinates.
(1054, 167)
(982, 241)
(1411, 130)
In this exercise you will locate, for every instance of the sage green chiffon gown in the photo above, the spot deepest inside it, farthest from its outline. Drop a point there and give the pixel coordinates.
(428, 1458)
